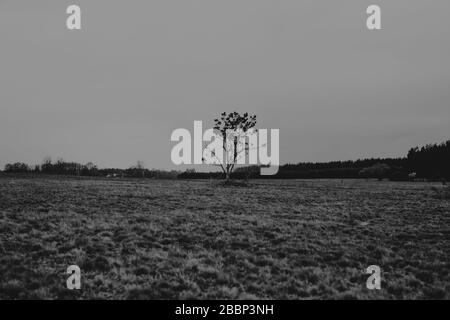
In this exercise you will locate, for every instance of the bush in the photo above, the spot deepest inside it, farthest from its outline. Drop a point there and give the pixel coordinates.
(17, 167)
(379, 171)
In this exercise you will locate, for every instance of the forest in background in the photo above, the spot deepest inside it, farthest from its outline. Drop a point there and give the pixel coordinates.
(428, 162)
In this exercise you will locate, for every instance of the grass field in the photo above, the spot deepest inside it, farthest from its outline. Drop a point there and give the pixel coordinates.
(139, 239)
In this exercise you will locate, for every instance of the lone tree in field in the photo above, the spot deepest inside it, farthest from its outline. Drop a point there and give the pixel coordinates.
(232, 129)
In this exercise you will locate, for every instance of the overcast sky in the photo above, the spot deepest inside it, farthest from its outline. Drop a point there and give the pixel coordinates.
(113, 92)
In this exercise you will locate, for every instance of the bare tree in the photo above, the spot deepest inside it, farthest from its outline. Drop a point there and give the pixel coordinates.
(232, 129)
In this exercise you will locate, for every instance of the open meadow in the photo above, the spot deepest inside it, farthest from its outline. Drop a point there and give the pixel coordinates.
(162, 239)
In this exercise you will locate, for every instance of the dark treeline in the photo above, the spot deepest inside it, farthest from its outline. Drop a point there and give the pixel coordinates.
(429, 162)
(61, 167)
(369, 168)
(345, 169)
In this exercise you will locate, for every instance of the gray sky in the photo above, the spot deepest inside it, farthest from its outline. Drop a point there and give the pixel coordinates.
(113, 92)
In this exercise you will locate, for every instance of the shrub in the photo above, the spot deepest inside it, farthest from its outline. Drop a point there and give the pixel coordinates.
(379, 171)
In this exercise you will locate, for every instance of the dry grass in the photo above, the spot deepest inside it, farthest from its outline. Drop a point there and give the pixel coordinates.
(442, 192)
(193, 239)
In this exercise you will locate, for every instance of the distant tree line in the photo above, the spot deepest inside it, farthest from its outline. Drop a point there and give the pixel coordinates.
(429, 162)
(330, 170)
(61, 167)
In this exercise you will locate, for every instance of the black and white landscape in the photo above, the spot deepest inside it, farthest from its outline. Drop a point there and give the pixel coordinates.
(110, 188)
